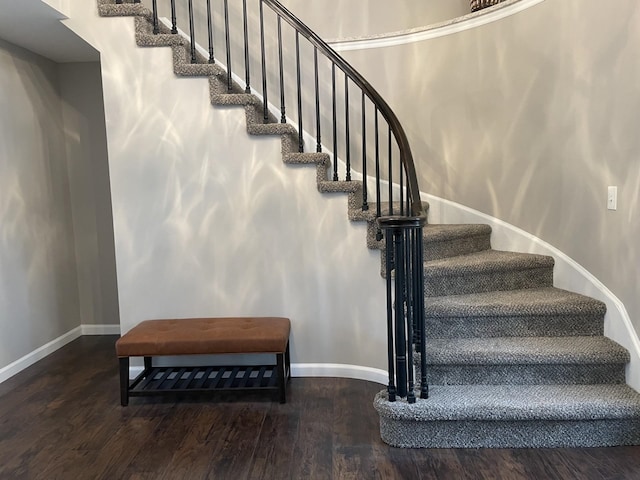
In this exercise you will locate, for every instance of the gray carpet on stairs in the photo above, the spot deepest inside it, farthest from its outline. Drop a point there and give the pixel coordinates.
(511, 361)
(499, 416)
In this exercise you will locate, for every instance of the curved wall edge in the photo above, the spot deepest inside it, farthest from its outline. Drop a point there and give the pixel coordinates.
(567, 273)
(339, 370)
(473, 20)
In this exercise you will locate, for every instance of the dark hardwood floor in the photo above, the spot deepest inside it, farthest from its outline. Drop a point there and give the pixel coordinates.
(62, 419)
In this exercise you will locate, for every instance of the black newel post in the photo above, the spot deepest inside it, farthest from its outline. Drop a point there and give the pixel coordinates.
(405, 303)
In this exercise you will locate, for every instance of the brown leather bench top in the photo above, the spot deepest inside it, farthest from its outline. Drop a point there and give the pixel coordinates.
(205, 336)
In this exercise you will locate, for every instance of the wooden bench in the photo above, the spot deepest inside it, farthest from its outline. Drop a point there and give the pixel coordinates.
(205, 336)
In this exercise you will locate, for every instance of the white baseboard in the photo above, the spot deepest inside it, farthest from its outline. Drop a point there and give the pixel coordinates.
(47, 349)
(340, 371)
(321, 370)
(38, 354)
(100, 329)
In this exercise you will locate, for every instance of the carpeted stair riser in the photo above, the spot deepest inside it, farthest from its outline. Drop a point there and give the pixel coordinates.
(514, 326)
(546, 312)
(459, 267)
(584, 433)
(445, 241)
(439, 285)
(523, 361)
(522, 374)
(458, 246)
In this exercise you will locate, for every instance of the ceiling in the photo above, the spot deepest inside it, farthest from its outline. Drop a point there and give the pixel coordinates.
(36, 26)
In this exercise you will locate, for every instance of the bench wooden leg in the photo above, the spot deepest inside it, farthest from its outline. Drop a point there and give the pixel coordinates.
(124, 381)
(281, 377)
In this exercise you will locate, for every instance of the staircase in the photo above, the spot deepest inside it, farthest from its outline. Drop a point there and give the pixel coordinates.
(510, 360)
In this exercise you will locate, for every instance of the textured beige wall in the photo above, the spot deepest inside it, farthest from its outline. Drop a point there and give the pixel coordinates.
(215, 224)
(530, 119)
(38, 282)
(338, 19)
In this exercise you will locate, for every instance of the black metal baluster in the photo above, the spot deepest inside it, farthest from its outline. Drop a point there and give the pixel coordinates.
(210, 32)
(390, 176)
(247, 75)
(335, 123)
(365, 205)
(391, 388)
(409, 292)
(401, 339)
(407, 198)
(283, 115)
(192, 33)
(377, 165)
(299, 82)
(317, 85)
(419, 278)
(378, 194)
(228, 45)
(174, 25)
(263, 59)
(156, 27)
(346, 119)
(401, 190)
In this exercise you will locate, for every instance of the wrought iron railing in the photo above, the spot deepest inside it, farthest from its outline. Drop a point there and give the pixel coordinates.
(328, 94)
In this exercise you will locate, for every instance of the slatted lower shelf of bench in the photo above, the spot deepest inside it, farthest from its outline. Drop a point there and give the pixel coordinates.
(171, 380)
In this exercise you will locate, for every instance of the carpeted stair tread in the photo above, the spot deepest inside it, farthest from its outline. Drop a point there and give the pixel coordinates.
(515, 402)
(487, 261)
(160, 40)
(339, 186)
(524, 302)
(525, 351)
(311, 158)
(187, 69)
(269, 128)
(108, 8)
(234, 99)
(440, 232)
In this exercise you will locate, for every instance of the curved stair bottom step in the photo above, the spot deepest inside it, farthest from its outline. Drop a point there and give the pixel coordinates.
(495, 416)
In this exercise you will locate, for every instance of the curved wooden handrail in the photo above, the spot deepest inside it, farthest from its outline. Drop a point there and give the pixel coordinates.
(383, 107)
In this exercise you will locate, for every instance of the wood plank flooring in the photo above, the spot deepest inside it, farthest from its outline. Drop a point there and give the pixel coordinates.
(62, 419)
